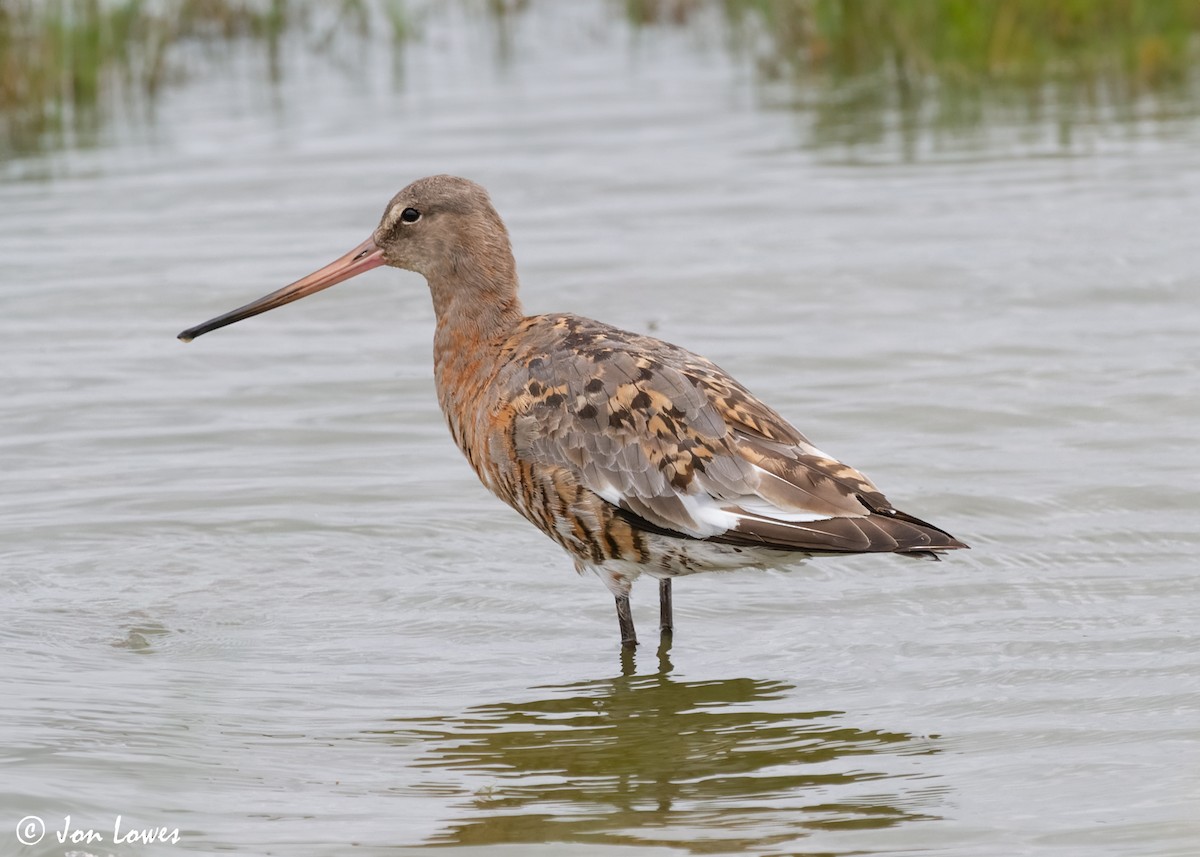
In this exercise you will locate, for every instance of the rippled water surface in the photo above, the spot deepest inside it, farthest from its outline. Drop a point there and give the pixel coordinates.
(252, 591)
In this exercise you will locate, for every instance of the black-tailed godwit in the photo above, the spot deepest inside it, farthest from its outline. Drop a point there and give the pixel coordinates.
(635, 455)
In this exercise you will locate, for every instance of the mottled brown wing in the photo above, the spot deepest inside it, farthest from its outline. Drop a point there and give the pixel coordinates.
(672, 440)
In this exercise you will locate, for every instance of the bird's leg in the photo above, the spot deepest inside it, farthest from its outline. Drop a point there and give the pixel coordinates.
(625, 619)
(664, 654)
(666, 622)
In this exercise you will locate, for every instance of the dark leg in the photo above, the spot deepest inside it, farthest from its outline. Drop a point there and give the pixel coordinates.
(666, 623)
(625, 618)
(664, 654)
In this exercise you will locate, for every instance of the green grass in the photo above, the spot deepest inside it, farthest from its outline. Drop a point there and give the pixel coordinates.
(65, 64)
(867, 68)
(1138, 45)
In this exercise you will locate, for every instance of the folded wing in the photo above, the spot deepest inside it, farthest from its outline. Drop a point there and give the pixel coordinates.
(681, 448)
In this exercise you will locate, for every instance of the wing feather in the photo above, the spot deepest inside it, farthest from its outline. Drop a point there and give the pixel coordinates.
(668, 437)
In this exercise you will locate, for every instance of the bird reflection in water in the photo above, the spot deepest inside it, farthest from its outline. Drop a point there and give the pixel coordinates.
(655, 760)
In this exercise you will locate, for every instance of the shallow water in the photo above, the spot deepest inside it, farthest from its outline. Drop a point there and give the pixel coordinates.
(252, 591)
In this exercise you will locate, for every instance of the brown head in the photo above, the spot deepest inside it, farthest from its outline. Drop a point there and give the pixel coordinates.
(442, 227)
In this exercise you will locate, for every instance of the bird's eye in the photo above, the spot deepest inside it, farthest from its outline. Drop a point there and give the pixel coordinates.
(410, 215)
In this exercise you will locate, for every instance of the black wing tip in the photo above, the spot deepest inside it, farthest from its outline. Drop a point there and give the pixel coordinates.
(898, 534)
(932, 553)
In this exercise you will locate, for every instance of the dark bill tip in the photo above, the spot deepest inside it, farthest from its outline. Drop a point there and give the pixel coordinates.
(364, 257)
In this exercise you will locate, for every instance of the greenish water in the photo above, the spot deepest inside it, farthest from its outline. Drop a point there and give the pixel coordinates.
(719, 765)
(252, 592)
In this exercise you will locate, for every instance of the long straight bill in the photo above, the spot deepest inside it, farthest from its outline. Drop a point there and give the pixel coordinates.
(364, 257)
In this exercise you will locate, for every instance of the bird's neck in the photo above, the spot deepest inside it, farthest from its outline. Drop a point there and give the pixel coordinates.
(476, 304)
(477, 311)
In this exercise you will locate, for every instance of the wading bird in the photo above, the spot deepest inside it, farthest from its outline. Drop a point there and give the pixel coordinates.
(636, 456)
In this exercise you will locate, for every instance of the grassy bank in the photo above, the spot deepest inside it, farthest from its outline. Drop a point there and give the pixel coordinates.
(64, 64)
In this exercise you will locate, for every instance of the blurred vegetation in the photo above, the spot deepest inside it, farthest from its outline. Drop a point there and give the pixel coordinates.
(860, 64)
(63, 63)
(951, 63)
